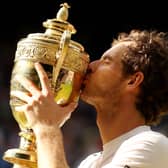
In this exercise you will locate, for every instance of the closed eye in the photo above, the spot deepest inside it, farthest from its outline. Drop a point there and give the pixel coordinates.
(106, 59)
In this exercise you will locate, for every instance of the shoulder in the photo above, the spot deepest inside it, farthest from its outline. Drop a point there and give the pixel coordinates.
(146, 142)
(148, 149)
(149, 138)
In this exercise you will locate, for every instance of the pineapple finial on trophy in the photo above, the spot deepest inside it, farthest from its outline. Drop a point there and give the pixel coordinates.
(60, 22)
(62, 14)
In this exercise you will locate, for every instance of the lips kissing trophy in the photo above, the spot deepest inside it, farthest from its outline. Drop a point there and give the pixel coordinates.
(65, 63)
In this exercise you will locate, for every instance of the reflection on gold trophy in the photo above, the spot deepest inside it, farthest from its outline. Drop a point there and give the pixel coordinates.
(65, 62)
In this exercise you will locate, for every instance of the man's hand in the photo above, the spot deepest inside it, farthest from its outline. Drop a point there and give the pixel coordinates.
(40, 108)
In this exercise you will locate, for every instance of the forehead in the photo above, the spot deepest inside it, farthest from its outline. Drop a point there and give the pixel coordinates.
(117, 50)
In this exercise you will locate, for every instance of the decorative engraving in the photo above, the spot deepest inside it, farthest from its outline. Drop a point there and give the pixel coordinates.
(38, 51)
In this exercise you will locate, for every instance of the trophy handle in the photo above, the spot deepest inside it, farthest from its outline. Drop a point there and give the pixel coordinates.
(60, 55)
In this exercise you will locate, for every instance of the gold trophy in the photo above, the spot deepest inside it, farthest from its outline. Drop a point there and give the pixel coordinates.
(65, 63)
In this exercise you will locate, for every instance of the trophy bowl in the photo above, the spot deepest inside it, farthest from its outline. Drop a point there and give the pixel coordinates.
(65, 63)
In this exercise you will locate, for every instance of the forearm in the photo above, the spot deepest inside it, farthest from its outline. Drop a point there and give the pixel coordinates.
(50, 148)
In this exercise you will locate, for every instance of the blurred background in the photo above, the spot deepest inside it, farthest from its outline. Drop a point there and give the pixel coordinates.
(97, 24)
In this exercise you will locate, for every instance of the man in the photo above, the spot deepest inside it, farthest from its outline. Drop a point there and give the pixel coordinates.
(128, 86)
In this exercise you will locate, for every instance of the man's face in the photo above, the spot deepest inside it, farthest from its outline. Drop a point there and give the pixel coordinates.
(105, 79)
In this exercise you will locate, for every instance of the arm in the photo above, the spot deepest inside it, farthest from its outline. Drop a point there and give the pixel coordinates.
(50, 149)
(45, 116)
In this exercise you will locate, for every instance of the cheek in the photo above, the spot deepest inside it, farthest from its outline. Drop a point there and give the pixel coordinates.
(107, 78)
(105, 74)
(101, 80)
(104, 77)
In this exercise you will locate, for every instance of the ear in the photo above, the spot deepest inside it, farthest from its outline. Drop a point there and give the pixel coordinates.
(135, 80)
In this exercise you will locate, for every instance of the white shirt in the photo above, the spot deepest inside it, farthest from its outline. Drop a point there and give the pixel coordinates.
(138, 148)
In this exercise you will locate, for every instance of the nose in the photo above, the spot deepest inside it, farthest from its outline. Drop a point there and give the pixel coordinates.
(93, 66)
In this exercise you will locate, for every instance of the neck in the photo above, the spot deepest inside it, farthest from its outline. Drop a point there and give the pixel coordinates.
(114, 121)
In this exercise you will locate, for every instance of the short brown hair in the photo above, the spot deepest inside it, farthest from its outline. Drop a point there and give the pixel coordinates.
(149, 54)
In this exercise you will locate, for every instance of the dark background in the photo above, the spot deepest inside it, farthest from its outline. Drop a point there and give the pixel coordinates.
(97, 23)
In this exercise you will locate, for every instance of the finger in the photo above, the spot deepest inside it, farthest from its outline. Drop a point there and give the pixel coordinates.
(27, 84)
(43, 77)
(21, 95)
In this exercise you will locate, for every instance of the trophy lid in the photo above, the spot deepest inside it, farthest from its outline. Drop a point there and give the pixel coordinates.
(55, 28)
(46, 47)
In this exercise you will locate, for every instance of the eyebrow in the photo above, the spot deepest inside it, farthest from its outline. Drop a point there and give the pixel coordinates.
(107, 56)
